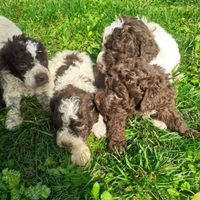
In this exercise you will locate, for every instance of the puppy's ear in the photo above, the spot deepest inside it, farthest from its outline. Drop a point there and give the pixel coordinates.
(1, 63)
(19, 37)
(54, 104)
(157, 93)
(148, 48)
(143, 42)
(2, 60)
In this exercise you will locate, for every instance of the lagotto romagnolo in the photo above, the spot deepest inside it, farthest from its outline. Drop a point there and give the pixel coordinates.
(72, 104)
(134, 87)
(130, 37)
(68, 82)
(24, 70)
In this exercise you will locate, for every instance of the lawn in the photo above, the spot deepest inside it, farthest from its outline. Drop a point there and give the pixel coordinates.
(157, 164)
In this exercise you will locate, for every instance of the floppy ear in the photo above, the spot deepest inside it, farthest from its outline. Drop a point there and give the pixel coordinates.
(142, 39)
(148, 48)
(1, 63)
(54, 104)
(157, 93)
(2, 59)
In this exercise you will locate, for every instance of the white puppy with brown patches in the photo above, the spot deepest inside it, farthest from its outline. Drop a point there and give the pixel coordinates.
(72, 104)
(118, 43)
(24, 70)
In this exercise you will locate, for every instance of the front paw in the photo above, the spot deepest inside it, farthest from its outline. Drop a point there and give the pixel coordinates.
(191, 132)
(80, 156)
(12, 122)
(119, 145)
(99, 128)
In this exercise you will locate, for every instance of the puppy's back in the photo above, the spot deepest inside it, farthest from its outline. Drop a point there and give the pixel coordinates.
(7, 30)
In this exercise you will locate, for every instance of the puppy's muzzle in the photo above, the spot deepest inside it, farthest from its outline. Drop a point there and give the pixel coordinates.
(41, 79)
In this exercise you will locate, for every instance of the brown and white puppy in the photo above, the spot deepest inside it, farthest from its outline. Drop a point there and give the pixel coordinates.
(135, 87)
(72, 104)
(24, 71)
(130, 37)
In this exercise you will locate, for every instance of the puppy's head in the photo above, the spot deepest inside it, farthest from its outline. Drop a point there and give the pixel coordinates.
(115, 99)
(73, 109)
(26, 59)
(127, 37)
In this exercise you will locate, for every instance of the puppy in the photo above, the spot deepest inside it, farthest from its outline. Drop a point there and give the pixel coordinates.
(24, 71)
(130, 37)
(72, 104)
(133, 87)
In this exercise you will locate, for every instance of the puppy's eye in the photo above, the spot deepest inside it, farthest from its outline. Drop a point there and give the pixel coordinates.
(115, 50)
(118, 96)
(80, 127)
(23, 66)
(93, 109)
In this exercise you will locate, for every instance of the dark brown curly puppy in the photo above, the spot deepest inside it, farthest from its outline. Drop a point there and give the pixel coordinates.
(135, 87)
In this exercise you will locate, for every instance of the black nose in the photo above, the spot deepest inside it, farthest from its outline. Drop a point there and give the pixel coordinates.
(41, 78)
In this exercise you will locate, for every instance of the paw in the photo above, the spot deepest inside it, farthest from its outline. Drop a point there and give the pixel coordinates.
(117, 145)
(191, 132)
(99, 128)
(12, 122)
(80, 156)
(179, 77)
(159, 124)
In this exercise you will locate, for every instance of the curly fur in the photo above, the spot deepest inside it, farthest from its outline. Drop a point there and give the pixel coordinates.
(72, 104)
(129, 37)
(135, 87)
(24, 71)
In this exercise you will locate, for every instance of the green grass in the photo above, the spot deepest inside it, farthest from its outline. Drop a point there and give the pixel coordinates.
(157, 164)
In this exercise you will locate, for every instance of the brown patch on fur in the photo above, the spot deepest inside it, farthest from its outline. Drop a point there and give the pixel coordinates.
(68, 61)
(87, 114)
(135, 87)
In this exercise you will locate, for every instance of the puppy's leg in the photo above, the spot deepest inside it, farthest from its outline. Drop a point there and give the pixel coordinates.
(13, 115)
(80, 153)
(157, 123)
(117, 139)
(175, 122)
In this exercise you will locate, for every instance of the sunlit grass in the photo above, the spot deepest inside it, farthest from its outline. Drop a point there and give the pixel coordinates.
(157, 164)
